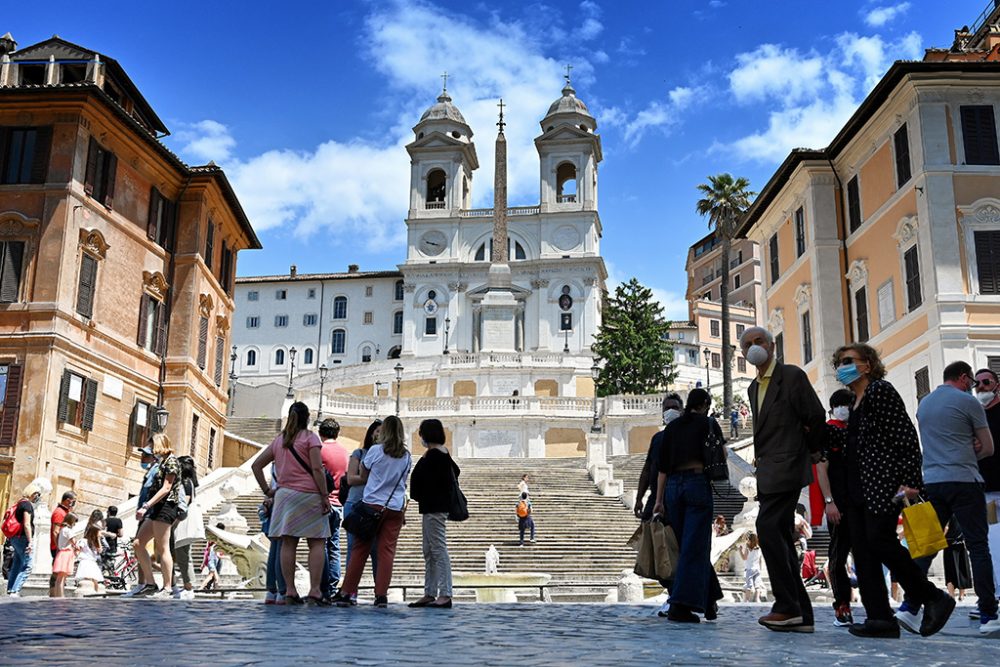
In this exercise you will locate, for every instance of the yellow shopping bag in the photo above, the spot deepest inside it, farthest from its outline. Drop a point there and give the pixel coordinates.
(924, 535)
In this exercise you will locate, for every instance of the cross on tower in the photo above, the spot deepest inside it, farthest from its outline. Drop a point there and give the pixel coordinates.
(444, 76)
(569, 68)
(501, 124)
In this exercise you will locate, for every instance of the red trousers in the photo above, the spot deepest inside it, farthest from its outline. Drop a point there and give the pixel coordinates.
(386, 536)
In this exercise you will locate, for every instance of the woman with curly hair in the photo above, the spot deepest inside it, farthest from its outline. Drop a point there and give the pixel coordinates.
(883, 463)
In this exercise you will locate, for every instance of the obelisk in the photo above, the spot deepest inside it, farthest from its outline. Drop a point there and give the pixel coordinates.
(499, 307)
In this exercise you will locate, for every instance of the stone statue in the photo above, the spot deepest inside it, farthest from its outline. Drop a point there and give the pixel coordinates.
(228, 514)
(492, 560)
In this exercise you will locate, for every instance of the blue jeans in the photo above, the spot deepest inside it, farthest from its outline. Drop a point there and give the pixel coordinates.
(965, 502)
(20, 566)
(275, 579)
(348, 506)
(523, 524)
(331, 566)
(689, 508)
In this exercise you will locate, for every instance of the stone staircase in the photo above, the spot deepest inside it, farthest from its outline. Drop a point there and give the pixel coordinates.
(257, 429)
(581, 534)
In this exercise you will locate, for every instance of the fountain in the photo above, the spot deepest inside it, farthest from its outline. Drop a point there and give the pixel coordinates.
(496, 586)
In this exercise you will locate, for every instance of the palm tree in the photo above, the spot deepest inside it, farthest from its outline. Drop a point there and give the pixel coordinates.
(725, 201)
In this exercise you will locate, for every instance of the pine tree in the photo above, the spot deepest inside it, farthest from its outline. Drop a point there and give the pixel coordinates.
(632, 343)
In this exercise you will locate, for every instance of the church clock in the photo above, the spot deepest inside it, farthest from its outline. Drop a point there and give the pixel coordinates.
(433, 243)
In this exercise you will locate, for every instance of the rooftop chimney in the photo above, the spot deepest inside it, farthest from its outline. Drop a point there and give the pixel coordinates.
(352, 268)
(293, 270)
(7, 44)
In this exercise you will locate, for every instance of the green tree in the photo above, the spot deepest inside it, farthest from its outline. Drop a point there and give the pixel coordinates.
(632, 343)
(724, 201)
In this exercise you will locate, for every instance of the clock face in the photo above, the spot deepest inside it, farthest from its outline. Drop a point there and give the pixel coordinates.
(433, 243)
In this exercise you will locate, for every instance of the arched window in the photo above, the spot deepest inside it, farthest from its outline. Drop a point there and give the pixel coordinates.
(397, 322)
(279, 357)
(366, 354)
(307, 357)
(566, 182)
(436, 186)
(340, 308)
(338, 341)
(394, 352)
(251, 357)
(399, 291)
(514, 250)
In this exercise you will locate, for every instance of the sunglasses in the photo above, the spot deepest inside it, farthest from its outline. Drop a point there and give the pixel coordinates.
(975, 382)
(986, 383)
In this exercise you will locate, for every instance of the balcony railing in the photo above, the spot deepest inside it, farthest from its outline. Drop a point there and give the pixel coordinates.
(435, 206)
(566, 199)
(508, 359)
(488, 212)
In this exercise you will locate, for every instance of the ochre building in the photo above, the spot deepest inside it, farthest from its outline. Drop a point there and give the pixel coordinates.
(116, 277)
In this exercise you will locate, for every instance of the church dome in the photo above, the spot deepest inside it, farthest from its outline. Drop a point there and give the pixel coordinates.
(443, 110)
(568, 103)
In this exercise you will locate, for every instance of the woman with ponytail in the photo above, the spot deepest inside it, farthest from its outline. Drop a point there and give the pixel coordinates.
(689, 508)
(301, 502)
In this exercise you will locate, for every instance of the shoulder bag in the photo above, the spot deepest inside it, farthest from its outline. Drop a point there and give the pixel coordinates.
(364, 520)
(458, 510)
(716, 457)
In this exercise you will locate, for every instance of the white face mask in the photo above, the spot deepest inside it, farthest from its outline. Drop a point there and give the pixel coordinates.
(756, 355)
(670, 415)
(986, 397)
(842, 413)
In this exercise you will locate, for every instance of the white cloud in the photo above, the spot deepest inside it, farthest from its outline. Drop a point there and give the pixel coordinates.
(662, 115)
(814, 94)
(675, 306)
(879, 16)
(772, 72)
(205, 141)
(358, 189)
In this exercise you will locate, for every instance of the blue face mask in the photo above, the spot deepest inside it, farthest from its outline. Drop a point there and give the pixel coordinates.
(848, 374)
(146, 466)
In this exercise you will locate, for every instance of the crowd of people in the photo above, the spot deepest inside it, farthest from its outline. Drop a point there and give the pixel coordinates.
(870, 460)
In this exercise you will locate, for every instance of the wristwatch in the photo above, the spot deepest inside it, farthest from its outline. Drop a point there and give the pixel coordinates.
(828, 500)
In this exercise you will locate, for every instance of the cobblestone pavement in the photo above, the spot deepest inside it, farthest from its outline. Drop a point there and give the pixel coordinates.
(217, 633)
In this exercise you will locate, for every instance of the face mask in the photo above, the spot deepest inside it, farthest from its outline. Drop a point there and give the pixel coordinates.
(146, 466)
(670, 415)
(756, 355)
(841, 413)
(986, 397)
(848, 374)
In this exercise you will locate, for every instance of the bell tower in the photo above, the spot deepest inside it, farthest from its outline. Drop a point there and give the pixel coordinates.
(442, 160)
(568, 152)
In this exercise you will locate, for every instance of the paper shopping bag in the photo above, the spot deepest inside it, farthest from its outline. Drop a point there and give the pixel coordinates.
(666, 551)
(924, 535)
(645, 562)
(991, 512)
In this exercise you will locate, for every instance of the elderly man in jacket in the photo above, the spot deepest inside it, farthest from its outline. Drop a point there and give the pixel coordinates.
(788, 433)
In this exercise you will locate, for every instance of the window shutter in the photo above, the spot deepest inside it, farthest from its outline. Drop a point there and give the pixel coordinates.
(143, 312)
(167, 228)
(132, 426)
(988, 261)
(161, 329)
(152, 222)
(854, 203)
(913, 297)
(89, 403)
(209, 244)
(220, 349)
(91, 173)
(40, 160)
(11, 406)
(901, 141)
(194, 435)
(63, 409)
(231, 276)
(111, 166)
(211, 448)
(10, 272)
(861, 306)
(86, 285)
(202, 342)
(979, 135)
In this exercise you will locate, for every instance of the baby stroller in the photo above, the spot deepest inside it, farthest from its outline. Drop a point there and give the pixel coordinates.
(812, 575)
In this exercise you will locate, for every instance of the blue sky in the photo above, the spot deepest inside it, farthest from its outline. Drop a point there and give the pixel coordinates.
(308, 104)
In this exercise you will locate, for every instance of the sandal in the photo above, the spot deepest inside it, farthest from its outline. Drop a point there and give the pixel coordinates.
(293, 599)
(314, 601)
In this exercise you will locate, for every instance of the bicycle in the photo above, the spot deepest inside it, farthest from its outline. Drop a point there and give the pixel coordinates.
(121, 570)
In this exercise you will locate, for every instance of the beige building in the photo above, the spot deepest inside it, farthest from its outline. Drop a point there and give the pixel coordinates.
(891, 234)
(116, 278)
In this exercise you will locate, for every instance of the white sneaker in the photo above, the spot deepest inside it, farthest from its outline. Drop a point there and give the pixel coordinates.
(13, 595)
(162, 594)
(990, 626)
(186, 595)
(909, 620)
(134, 590)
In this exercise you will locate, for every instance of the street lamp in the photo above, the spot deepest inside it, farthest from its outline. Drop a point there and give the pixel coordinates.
(399, 378)
(708, 376)
(232, 382)
(291, 370)
(323, 370)
(566, 346)
(160, 415)
(595, 372)
(447, 327)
